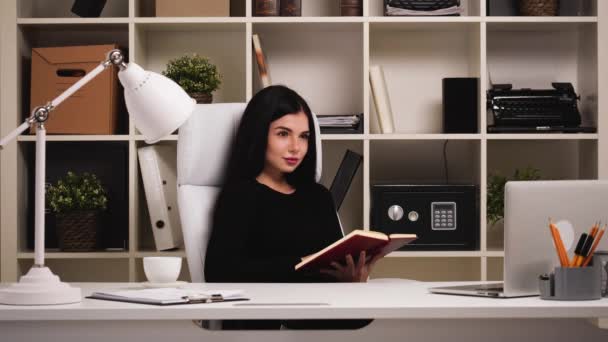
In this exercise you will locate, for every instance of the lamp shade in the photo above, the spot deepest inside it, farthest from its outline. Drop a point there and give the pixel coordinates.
(157, 105)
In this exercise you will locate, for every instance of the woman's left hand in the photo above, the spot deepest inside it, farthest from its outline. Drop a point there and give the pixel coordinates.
(352, 272)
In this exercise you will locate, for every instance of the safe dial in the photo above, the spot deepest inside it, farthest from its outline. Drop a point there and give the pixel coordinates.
(395, 212)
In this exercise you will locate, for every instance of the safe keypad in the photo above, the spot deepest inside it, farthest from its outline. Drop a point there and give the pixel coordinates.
(443, 215)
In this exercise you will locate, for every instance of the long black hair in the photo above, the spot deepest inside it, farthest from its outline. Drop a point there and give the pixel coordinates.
(248, 153)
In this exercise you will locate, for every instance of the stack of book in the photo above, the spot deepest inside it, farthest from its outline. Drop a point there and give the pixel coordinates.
(283, 8)
(341, 124)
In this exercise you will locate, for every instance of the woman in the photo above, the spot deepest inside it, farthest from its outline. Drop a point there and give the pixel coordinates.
(270, 211)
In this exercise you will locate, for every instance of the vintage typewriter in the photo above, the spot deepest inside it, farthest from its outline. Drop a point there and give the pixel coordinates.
(525, 110)
(410, 7)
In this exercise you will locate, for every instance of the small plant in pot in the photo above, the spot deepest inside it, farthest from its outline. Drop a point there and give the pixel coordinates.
(196, 75)
(496, 192)
(77, 202)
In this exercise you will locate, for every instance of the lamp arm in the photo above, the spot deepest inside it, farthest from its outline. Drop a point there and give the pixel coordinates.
(17, 131)
(40, 114)
(115, 57)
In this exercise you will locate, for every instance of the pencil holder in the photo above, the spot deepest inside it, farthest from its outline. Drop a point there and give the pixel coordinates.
(572, 283)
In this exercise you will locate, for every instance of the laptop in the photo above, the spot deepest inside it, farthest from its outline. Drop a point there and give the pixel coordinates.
(344, 177)
(574, 206)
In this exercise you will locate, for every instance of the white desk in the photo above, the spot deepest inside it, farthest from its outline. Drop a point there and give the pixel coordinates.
(402, 311)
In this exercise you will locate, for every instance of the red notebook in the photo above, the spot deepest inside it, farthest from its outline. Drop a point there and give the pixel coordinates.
(358, 240)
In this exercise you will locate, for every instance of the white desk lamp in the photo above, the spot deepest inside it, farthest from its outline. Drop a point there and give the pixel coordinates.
(157, 105)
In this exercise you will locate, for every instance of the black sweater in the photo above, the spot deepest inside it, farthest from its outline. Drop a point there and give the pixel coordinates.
(260, 234)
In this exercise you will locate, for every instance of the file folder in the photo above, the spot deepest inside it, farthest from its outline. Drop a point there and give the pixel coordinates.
(158, 165)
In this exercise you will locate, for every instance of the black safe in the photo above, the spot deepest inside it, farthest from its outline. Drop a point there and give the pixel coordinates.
(445, 217)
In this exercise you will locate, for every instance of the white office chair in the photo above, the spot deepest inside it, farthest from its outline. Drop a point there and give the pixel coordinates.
(202, 152)
(203, 145)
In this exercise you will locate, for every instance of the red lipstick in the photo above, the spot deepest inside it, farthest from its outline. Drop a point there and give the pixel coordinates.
(291, 161)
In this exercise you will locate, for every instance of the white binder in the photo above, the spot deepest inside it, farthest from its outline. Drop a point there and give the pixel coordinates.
(158, 167)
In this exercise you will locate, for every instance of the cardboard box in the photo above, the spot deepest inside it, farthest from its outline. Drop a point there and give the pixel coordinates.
(192, 8)
(92, 109)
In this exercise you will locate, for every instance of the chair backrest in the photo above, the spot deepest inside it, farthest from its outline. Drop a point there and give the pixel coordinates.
(202, 153)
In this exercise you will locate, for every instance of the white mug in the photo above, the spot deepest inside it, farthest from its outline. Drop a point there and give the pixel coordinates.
(162, 269)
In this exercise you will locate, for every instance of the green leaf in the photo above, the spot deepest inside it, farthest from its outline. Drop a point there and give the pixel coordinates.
(76, 192)
(496, 191)
(195, 74)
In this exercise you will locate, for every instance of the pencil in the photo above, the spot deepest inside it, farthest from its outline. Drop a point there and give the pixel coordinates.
(594, 229)
(559, 245)
(595, 243)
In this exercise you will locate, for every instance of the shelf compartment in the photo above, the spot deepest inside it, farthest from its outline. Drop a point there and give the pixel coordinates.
(429, 268)
(223, 43)
(147, 8)
(566, 8)
(533, 55)
(422, 162)
(470, 7)
(57, 35)
(83, 270)
(495, 269)
(107, 160)
(322, 8)
(561, 159)
(556, 159)
(300, 55)
(313, 9)
(415, 57)
(63, 9)
(140, 275)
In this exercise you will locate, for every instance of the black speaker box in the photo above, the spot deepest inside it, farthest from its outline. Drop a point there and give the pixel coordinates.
(460, 105)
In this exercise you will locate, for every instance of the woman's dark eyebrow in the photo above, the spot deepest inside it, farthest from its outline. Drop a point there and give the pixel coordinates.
(288, 129)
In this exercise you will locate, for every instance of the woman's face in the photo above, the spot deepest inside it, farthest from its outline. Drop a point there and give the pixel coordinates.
(287, 143)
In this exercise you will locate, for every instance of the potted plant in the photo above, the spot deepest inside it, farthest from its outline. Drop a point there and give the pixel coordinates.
(196, 75)
(77, 202)
(538, 7)
(496, 192)
(496, 203)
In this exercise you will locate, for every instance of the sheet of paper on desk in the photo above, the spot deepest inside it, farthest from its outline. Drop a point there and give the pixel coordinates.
(167, 295)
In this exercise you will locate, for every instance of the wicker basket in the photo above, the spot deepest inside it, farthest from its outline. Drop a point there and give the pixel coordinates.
(77, 231)
(538, 7)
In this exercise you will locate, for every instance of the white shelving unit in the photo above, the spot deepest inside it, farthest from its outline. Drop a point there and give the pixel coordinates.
(326, 58)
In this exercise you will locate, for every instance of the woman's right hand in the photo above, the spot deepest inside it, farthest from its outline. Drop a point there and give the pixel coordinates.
(352, 272)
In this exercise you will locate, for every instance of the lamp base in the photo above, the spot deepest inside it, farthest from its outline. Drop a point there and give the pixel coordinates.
(40, 287)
